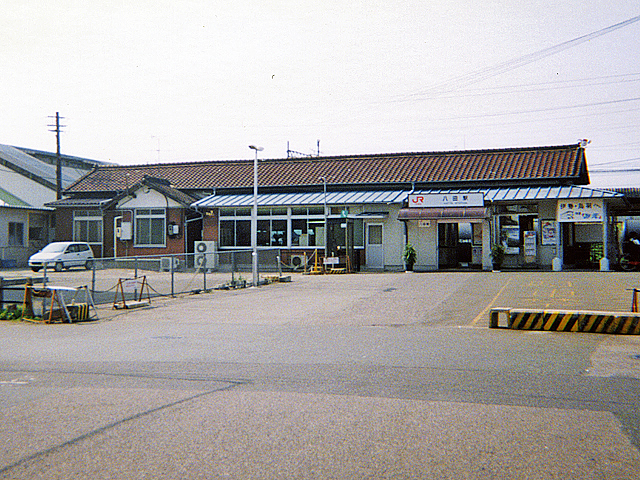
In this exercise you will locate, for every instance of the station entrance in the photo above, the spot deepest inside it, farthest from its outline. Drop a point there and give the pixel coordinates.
(459, 245)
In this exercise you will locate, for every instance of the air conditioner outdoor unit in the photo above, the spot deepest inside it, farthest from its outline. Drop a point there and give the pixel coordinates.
(298, 261)
(165, 263)
(205, 254)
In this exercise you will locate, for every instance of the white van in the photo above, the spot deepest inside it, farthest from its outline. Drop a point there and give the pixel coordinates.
(61, 255)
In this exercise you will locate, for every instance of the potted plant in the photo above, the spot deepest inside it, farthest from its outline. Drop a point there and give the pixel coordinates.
(409, 257)
(497, 255)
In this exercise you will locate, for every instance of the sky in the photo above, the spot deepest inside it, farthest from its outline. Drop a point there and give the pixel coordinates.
(186, 80)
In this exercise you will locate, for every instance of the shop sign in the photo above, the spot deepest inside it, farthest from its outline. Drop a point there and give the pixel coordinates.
(580, 211)
(530, 246)
(446, 200)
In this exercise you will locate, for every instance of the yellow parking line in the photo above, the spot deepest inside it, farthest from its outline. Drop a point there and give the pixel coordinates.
(486, 310)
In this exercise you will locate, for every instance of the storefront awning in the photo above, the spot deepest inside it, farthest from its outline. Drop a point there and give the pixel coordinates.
(440, 213)
(308, 198)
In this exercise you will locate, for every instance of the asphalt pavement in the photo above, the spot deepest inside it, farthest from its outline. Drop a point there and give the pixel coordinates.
(388, 375)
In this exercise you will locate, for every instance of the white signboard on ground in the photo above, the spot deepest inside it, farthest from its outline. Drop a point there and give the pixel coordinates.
(446, 200)
(129, 285)
(331, 260)
(580, 210)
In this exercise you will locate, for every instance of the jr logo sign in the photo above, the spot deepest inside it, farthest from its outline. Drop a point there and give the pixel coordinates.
(446, 200)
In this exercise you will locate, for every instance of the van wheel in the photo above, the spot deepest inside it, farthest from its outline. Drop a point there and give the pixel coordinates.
(59, 266)
(35, 269)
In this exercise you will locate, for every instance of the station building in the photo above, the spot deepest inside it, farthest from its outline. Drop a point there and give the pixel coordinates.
(453, 207)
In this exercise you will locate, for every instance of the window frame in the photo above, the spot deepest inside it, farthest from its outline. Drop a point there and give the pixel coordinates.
(148, 215)
(88, 218)
(13, 239)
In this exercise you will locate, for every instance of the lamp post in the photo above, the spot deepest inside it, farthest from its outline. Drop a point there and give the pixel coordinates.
(324, 183)
(254, 218)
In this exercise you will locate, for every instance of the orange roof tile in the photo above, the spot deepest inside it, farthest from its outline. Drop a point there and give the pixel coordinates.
(553, 165)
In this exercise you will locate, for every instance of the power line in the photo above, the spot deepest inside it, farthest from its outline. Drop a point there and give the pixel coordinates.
(615, 170)
(548, 109)
(494, 70)
(617, 161)
(536, 87)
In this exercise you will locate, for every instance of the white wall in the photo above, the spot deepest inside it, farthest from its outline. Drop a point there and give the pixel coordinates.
(393, 239)
(424, 240)
(147, 198)
(20, 254)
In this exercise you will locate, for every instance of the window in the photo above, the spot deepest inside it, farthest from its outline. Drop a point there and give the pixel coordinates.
(512, 228)
(227, 233)
(150, 227)
(235, 227)
(272, 233)
(358, 233)
(375, 234)
(87, 226)
(307, 233)
(16, 234)
(37, 229)
(243, 233)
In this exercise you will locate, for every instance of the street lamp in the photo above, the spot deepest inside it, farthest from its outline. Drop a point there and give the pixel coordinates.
(324, 183)
(254, 218)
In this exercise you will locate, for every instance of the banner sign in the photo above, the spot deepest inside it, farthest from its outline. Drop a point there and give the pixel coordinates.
(530, 246)
(580, 211)
(548, 232)
(446, 200)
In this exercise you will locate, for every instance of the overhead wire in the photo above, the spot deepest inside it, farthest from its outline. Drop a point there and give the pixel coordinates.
(477, 76)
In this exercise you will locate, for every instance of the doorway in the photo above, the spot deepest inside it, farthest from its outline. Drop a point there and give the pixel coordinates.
(374, 246)
(455, 247)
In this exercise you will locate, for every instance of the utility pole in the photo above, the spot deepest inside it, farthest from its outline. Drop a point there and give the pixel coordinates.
(57, 127)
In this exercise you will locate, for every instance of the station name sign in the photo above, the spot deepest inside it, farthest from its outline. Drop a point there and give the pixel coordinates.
(446, 200)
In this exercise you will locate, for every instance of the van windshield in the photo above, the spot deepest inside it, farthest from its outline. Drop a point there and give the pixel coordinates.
(54, 248)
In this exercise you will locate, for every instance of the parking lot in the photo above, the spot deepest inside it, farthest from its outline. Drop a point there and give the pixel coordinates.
(386, 375)
(461, 297)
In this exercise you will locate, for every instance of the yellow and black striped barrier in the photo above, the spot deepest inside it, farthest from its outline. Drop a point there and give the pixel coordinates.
(625, 323)
(79, 311)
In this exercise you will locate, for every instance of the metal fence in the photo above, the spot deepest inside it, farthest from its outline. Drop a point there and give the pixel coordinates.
(112, 279)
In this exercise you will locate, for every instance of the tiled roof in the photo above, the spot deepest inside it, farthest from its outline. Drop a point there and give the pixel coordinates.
(174, 193)
(539, 165)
